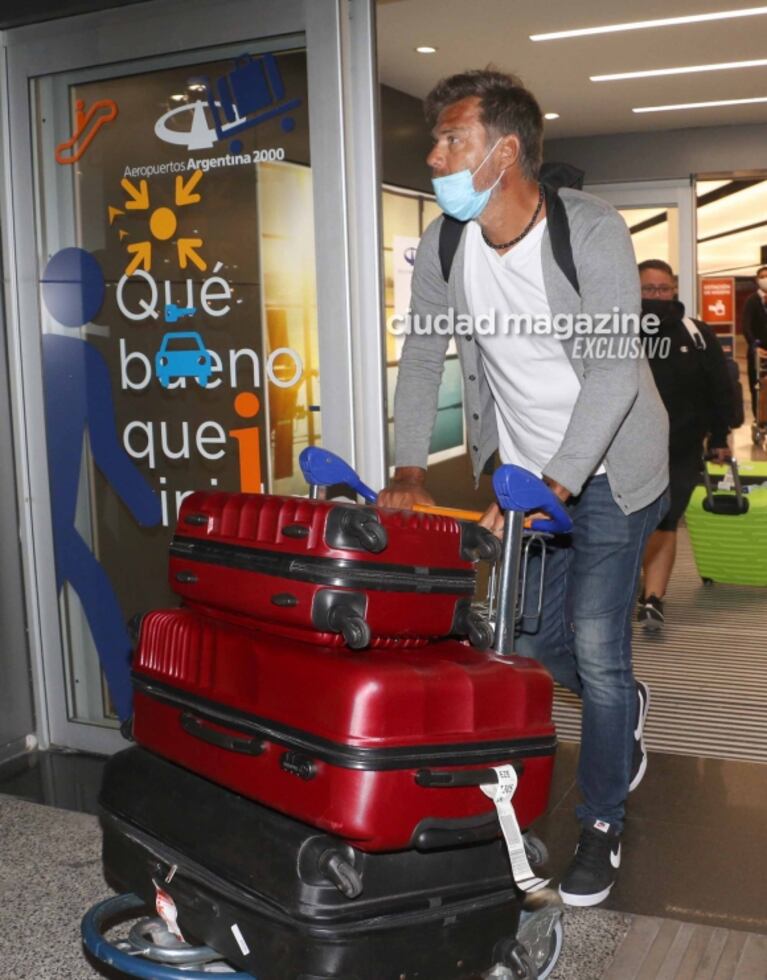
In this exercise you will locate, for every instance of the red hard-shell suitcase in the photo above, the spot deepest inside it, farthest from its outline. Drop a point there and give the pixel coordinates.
(327, 572)
(385, 749)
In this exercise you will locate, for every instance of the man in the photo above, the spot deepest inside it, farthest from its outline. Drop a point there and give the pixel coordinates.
(755, 331)
(691, 375)
(593, 426)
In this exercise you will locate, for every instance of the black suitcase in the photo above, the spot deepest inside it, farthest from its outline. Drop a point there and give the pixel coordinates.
(283, 902)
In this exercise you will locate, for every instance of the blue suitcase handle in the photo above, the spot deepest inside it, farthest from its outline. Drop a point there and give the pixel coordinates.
(92, 928)
(519, 490)
(321, 468)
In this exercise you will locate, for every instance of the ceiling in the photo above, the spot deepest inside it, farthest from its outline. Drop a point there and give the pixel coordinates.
(475, 33)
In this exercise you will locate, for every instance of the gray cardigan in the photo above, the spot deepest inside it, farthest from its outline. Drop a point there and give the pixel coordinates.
(618, 416)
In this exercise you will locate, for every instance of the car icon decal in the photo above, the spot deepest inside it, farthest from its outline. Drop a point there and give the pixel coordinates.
(183, 355)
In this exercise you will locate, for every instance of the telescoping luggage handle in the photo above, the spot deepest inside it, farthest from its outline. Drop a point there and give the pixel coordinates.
(724, 503)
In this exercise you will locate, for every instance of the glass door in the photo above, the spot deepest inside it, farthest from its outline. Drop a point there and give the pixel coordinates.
(182, 299)
(661, 217)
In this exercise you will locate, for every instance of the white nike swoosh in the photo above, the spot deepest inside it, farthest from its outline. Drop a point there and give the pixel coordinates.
(615, 857)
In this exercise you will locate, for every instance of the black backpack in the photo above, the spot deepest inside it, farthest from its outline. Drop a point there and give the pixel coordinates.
(552, 177)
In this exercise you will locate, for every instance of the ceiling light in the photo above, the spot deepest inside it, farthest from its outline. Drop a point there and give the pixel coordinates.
(551, 115)
(640, 25)
(426, 49)
(178, 97)
(700, 105)
(655, 72)
(196, 87)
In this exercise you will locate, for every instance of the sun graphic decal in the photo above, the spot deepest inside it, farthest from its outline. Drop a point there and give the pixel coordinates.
(163, 223)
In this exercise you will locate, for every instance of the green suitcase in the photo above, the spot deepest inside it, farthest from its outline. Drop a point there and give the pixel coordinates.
(727, 523)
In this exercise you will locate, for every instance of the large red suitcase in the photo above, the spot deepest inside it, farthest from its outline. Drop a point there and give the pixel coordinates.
(329, 572)
(386, 749)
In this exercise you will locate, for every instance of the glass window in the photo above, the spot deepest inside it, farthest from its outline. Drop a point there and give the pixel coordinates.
(405, 217)
(179, 334)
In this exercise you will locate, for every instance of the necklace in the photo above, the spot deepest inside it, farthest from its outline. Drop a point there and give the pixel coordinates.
(522, 234)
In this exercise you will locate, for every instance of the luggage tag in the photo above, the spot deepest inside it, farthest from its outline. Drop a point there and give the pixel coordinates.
(501, 793)
(166, 908)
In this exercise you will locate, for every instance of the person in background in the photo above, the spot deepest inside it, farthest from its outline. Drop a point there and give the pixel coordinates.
(697, 391)
(755, 329)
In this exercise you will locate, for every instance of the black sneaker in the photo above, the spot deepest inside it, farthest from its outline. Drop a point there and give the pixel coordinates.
(592, 871)
(639, 758)
(650, 613)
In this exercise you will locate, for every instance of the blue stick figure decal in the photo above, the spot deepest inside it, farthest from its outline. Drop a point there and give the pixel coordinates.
(78, 399)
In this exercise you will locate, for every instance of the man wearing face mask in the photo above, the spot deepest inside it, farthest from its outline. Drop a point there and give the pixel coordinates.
(592, 424)
(690, 371)
(755, 330)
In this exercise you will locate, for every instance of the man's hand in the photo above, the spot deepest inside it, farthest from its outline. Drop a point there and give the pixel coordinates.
(493, 520)
(562, 492)
(406, 489)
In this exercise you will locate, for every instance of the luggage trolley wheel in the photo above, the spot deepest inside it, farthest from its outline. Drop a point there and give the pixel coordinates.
(150, 951)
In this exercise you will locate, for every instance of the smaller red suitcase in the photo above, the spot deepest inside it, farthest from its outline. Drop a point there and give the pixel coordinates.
(384, 749)
(330, 573)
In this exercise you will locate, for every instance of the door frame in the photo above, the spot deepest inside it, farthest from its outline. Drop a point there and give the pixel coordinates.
(339, 36)
(658, 194)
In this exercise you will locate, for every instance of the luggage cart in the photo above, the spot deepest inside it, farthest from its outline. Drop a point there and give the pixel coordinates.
(151, 950)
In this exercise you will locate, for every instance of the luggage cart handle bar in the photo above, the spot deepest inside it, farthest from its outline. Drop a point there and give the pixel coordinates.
(518, 491)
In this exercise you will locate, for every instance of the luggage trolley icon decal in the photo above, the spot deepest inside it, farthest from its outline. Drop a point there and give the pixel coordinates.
(251, 94)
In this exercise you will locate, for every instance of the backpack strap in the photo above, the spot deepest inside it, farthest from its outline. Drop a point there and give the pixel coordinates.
(698, 340)
(559, 232)
(449, 238)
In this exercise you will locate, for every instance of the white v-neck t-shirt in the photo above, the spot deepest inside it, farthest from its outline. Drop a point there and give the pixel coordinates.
(531, 379)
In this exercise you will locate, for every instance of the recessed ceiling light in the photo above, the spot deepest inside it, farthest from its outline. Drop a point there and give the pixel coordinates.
(690, 69)
(640, 25)
(178, 97)
(700, 105)
(551, 115)
(196, 87)
(426, 49)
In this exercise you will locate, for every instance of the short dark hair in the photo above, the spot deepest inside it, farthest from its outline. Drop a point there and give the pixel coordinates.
(658, 264)
(762, 268)
(506, 107)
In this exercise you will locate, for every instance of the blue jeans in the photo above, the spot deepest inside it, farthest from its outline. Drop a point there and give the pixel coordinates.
(583, 636)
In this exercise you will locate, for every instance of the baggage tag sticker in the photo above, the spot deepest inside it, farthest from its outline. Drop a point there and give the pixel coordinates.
(501, 793)
(166, 909)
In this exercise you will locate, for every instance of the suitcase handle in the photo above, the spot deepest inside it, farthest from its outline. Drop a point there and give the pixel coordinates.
(195, 726)
(724, 503)
(450, 778)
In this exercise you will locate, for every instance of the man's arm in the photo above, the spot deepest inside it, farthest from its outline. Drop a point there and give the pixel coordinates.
(608, 278)
(749, 311)
(719, 389)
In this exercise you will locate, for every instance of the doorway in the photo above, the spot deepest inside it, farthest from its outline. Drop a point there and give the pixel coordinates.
(183, 309)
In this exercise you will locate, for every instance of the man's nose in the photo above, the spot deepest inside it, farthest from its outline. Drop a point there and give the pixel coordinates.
(436, 159)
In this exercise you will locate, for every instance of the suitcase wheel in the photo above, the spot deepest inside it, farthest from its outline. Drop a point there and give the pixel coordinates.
(513, 962)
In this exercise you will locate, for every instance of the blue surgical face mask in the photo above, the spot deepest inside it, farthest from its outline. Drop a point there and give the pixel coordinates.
(457, 196)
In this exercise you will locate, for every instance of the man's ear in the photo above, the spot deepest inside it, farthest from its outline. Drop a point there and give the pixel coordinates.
(510, 151)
